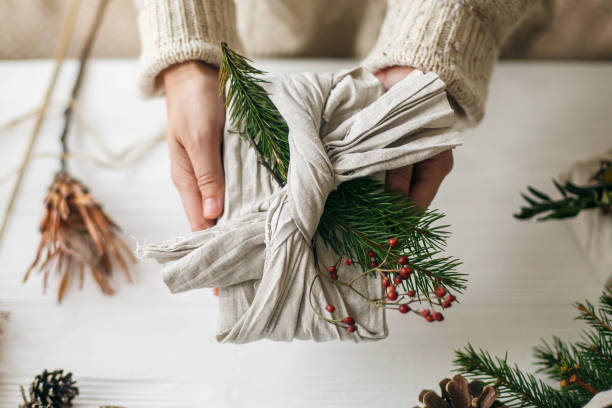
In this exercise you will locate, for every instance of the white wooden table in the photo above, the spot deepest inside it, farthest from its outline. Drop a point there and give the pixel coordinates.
(146, 348)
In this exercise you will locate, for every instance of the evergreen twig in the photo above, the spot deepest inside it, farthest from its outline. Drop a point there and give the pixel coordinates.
(516, 388)
(359, 216)
(582, 369)
(574, 198)
(253, 113)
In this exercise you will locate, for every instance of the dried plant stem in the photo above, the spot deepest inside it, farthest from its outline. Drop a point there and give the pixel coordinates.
(65, 37)
(84, 57)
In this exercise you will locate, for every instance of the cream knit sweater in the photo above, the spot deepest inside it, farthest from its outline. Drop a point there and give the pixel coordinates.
(458, 39)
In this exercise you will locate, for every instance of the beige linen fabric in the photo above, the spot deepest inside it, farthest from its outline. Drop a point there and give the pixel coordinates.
(341, 126)
(601, 400)
(593, 229)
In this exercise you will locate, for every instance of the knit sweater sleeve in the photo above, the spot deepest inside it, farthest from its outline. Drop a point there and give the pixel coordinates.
(174, 31)
(459, 40)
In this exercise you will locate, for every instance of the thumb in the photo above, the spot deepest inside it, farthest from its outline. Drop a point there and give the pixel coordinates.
(205, 156)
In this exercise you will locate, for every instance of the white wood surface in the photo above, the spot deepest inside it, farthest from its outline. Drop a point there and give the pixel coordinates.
(147, 348)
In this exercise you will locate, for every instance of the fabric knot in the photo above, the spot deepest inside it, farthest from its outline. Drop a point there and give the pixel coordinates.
(341, 126)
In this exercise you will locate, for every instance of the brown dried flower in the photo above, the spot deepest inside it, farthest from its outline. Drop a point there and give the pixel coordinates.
(76, 234)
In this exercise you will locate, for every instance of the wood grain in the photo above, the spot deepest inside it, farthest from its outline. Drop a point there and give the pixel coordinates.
(146, 348)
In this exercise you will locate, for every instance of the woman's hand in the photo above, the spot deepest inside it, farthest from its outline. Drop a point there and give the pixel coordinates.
(419, 181)
(196, 115)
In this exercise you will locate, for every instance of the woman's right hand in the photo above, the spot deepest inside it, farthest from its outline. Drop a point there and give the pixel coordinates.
(196, 116)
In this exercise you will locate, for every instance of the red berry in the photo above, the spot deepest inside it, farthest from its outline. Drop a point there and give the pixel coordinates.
(391, 288)
(440, 291)
(405, 272)
(403, 260)
(451, 298)
(351, 328)
(348, 320)
(392, 295)
(397, 280)
(332, 269)
(446, 305)
(404, 308)
(392, 242)
(371, 254)
(438, 316)
(330, 308)
(333, 276)
(348, 262)
(425, 312)
(411, 293)
(429, 318)
(373, 264)
(385, 282)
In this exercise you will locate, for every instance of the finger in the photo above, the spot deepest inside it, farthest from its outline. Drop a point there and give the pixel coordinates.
(392, 75)
(427, 177)
(185, 182)
(399, 180)
(205, 156)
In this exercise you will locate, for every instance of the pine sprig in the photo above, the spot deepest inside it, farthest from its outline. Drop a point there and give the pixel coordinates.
(516, 389)
(359, 216)
(253, 113)
(574, 198)
(582, 369)
(599, 320)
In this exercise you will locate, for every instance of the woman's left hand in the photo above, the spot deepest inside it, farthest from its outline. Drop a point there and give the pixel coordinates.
(419, 181)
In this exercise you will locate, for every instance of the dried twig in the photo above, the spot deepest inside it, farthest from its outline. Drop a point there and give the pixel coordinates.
(59, 58)
(84, 57)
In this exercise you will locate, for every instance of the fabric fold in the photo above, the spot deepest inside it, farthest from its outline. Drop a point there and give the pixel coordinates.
(341, 126)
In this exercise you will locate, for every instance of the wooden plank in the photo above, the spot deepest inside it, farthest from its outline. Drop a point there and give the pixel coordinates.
(145, 347)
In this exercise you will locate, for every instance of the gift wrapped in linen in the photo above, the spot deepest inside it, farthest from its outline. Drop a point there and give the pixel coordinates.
(342, 125)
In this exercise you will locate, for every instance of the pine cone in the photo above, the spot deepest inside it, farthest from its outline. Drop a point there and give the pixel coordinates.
(51, 390)
(458, 393)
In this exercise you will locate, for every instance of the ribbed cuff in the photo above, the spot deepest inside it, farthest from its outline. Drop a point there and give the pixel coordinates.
(175, 31)
(446, 37)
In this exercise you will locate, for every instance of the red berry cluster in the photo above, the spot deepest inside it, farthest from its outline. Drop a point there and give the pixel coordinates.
(448, 300)
(333, 272)
(348, 320)
(432, 316)
(393, 272)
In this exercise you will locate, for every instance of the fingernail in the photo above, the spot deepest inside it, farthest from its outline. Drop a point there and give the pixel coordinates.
(211, 208)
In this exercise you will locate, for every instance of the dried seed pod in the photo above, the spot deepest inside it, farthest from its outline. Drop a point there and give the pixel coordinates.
(75, 235)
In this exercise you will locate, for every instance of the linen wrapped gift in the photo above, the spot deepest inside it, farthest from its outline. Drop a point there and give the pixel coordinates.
(341, 126)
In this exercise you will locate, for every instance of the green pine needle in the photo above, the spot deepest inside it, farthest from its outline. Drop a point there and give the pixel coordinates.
(588, 360)
(359, 216)
(574, 198)
(517, 390)
(253, 113)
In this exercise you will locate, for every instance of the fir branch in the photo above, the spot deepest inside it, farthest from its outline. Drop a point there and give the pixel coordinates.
(600, 321)
(582, 369)
(574, 198)
(553, 359)
(253, 113)
(359, 216)
(597, 350)
(516, 389)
